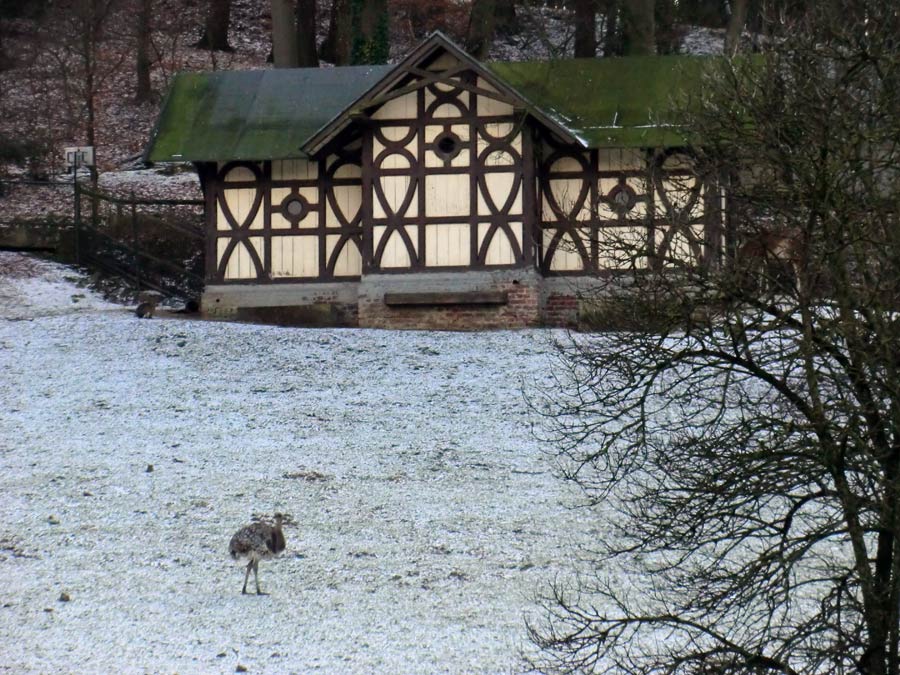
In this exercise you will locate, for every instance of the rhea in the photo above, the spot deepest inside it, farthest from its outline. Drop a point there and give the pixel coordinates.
(257, 541)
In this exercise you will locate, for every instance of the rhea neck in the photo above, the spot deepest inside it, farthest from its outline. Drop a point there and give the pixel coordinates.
(276, 544)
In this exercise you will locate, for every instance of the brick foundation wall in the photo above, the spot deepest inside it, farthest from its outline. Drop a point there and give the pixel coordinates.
(470, 301)
(561, 310)
(521, 308)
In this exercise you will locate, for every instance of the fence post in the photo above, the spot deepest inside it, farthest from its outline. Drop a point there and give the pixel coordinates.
(134, 243)
(77, 218)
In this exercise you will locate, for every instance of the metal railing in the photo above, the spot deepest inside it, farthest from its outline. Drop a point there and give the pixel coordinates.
(155, 244)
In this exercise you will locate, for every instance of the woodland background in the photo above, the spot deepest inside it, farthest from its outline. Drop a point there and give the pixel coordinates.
(94, 72)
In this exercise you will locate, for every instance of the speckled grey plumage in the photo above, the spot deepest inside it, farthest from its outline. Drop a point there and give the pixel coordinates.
(257, 541)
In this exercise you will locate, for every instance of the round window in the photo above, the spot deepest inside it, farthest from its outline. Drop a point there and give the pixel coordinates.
(447, 145)
(622, 197)
(294, 208)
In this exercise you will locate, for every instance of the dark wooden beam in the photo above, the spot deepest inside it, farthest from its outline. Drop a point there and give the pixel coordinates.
(446, 298)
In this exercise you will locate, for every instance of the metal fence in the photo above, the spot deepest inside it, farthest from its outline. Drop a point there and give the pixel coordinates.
(154, 244)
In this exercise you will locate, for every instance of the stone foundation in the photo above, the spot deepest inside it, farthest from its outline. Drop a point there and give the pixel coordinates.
(475, 300)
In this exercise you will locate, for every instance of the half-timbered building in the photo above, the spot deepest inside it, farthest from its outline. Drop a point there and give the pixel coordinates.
(440, 192)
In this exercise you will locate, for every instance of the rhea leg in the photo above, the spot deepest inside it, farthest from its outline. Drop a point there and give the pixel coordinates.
(247, 576)
(256, 577)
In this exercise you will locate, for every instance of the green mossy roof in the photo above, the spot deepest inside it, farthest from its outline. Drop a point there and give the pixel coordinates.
(613, 102)
(269, 114)
(254, 114)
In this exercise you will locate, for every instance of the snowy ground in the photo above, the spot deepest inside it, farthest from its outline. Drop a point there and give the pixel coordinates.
(425, 516)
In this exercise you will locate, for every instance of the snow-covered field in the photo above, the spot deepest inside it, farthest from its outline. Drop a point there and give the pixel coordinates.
(425, 517)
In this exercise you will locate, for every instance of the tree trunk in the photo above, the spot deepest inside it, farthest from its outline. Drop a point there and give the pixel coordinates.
(284, 34)
(612, 45)
(91, 23)
(639, 27)
(585, 29)
(144, 91)
(337, 45)
(709, 13)
(505, 19)
(306, 34)
(735, 26)
(370, 31)
(215, 35)
(480, 34)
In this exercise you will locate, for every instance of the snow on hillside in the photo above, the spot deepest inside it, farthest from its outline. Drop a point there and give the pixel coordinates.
(424, 515)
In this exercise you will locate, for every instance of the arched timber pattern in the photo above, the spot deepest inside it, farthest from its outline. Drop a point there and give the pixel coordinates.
(448, 172)
(607, 210)
(288, 220)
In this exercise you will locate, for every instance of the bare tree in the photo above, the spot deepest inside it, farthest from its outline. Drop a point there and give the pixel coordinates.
(611, 42)
(215, 33)
(306, 34)
(585, 28)
(638, 27)
(369, 29)
(142, 26)
(284, 34)
(736, 22)
(337, 46)
(480, 34)
(745, 452)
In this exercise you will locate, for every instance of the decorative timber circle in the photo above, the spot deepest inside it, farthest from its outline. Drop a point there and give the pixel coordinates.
(294, 208)
(622, 197)
(447, 145)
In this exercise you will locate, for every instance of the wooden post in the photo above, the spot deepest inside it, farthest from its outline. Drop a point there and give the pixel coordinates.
(77, 219)
(135, 247)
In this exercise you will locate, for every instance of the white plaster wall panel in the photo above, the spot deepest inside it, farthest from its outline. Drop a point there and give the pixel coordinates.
(621, 159)
(679, 190)
(401, 108)
(622, 247)
(240, 264)
(446, 111)
(396, 189)
(221, 220)
(488, 106)
(239, 174)
(447, 195)
(566, 257)
(395, 134)
(395, 253)
(678, 161)
(566, 163)
(499, 185)
(451, 84)
(295, 256)
(348, 199)
(348, 171)
(444, 62)
(447, 245)
(567, 192)
(500, 250)
(499, 158)
(394, 161)
(680, 251)
(497, 131)
(240, 201)
(349, 261)
(278, 195)
(295, 169)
